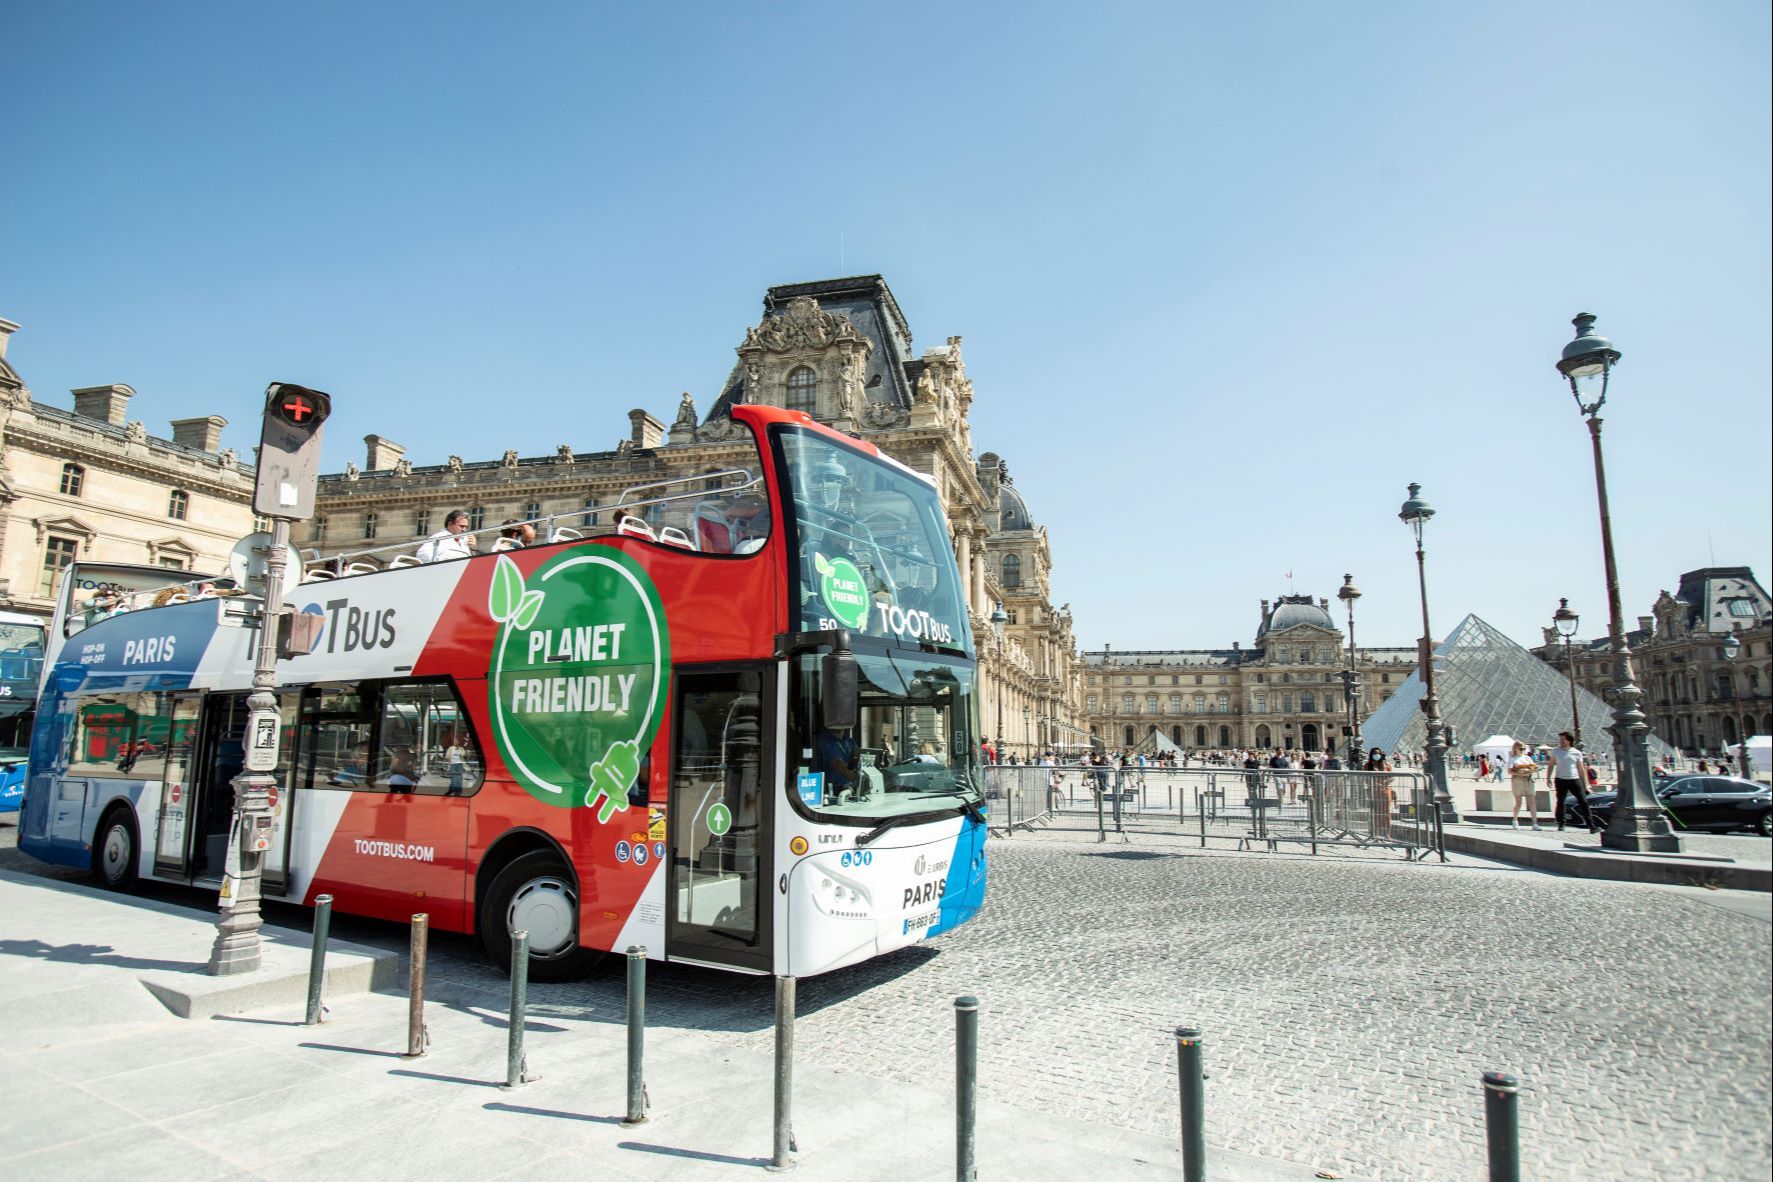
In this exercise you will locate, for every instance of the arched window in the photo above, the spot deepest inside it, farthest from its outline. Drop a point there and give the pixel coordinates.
(178, 504)
(73, 479)
(1012, 570)
(371, 523)
(1128, 736)
(1200, 736)
(1262, 736)
(803, 390)
(1224, 736)
(1176, 735)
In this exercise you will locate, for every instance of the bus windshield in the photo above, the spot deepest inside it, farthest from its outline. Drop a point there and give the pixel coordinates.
(873, 550)
(913, 750)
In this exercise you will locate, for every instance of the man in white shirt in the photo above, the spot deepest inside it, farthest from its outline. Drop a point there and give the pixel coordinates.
(1567, 775)
(450, 541)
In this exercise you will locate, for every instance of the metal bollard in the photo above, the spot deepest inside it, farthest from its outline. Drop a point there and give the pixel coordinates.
(966, 1086)
(317, 958)
(416, 1034)
(1502, 1125)
(1188, 1068)
(636, 1037)
(781, 1155)
(516, 1063)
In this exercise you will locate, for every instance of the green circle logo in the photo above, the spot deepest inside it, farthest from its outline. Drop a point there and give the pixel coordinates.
(720, 819)
(841, 587)
(578, 675)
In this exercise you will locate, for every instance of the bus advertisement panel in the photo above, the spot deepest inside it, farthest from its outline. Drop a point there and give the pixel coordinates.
(648, 736)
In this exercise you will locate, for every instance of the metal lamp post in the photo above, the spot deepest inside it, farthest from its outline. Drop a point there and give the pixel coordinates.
(1415, 514)
(998, 619)
(1732, 647)
(1351, 682)
(1028, 729)
(1638, 824)
(1567, 622)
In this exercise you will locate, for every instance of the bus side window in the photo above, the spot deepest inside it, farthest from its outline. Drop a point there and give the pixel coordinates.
(338, 724)
(426, 745)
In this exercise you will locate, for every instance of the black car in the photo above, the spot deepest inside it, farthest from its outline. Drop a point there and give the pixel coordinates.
(1721, 803)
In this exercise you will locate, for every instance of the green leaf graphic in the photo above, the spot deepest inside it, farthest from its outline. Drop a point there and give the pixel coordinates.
(611, 777)
(506, 592)
(820, 564)
(527, 609)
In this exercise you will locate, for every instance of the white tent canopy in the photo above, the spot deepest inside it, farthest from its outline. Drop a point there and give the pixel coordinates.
(1496, 747)
(1760, 751)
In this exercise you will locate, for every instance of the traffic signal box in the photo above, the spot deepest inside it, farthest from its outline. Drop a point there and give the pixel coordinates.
(289, 451)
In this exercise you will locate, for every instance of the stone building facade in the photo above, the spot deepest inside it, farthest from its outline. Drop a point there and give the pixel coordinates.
(1696, 697)
(1285, 690)
(92, 484)
(840, 350)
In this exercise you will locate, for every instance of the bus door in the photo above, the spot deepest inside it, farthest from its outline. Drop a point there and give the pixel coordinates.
(719, 817)
(220, 756)
(172, 831)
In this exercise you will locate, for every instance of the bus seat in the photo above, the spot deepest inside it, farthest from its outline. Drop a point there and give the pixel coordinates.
(362, 568)
(714, 532)
(405, 560)
(563, 534)
(316, 576)
(635, 527)
(672, 536)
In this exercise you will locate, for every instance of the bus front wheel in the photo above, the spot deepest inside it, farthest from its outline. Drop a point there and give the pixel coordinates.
(536, 893)
(114, 851)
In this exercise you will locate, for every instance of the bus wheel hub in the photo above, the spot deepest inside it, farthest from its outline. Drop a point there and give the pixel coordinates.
(547, 909)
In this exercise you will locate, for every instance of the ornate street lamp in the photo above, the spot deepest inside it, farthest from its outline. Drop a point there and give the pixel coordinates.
(1415, 514)
(1638, 823)
(1566, 622)
(1351, 681)
(1732, 647)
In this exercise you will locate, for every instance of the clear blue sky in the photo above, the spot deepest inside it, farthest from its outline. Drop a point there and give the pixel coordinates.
(1229, 275)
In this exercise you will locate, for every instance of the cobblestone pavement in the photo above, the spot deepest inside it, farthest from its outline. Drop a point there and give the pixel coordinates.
(1349, 1006)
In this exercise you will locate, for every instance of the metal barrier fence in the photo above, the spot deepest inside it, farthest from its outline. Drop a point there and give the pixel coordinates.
(1253, 808)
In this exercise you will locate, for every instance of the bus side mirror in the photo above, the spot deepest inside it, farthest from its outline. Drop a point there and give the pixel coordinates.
(837, 675)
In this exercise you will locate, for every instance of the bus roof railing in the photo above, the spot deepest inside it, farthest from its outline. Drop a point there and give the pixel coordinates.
(319, 567)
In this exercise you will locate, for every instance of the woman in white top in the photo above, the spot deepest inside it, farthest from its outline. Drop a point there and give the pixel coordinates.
(1523, 777)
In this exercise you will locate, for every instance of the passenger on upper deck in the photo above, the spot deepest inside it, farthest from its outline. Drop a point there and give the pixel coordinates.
(448, 542)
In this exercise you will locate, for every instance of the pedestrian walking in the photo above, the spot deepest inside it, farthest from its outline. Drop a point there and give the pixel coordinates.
(1566, 776)
(1523, 774)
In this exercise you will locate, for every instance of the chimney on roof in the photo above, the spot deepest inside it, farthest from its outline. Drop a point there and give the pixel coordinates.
(109, 404)
(380, 453)
(1324, 603)
(7, 328)
(1647, 623)
(645, 429)
(204, 434)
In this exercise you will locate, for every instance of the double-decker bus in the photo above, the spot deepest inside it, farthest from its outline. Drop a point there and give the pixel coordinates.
(731, 719)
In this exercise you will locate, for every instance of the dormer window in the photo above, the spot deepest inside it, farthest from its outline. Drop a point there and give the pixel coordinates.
(803, 390)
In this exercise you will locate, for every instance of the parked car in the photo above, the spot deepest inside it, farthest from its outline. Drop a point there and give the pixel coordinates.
(1720, 803)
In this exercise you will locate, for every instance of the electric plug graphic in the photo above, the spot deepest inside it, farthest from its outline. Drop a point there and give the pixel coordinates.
(611, 778)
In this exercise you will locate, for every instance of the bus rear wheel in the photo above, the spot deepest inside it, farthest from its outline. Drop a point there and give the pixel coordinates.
(536, 893)
(114, 851)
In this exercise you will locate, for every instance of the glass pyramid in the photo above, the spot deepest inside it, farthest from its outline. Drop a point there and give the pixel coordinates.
(1489, 685)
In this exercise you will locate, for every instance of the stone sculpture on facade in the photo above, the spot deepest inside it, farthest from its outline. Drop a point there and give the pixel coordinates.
(563, 454)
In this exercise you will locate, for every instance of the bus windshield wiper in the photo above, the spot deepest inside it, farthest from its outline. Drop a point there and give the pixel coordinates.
(971, 808)
(882, 828)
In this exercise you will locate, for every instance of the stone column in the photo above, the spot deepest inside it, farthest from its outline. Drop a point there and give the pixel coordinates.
(963, 553)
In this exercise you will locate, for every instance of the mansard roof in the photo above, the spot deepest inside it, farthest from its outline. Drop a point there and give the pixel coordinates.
(1709, 593)
(866, 302)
